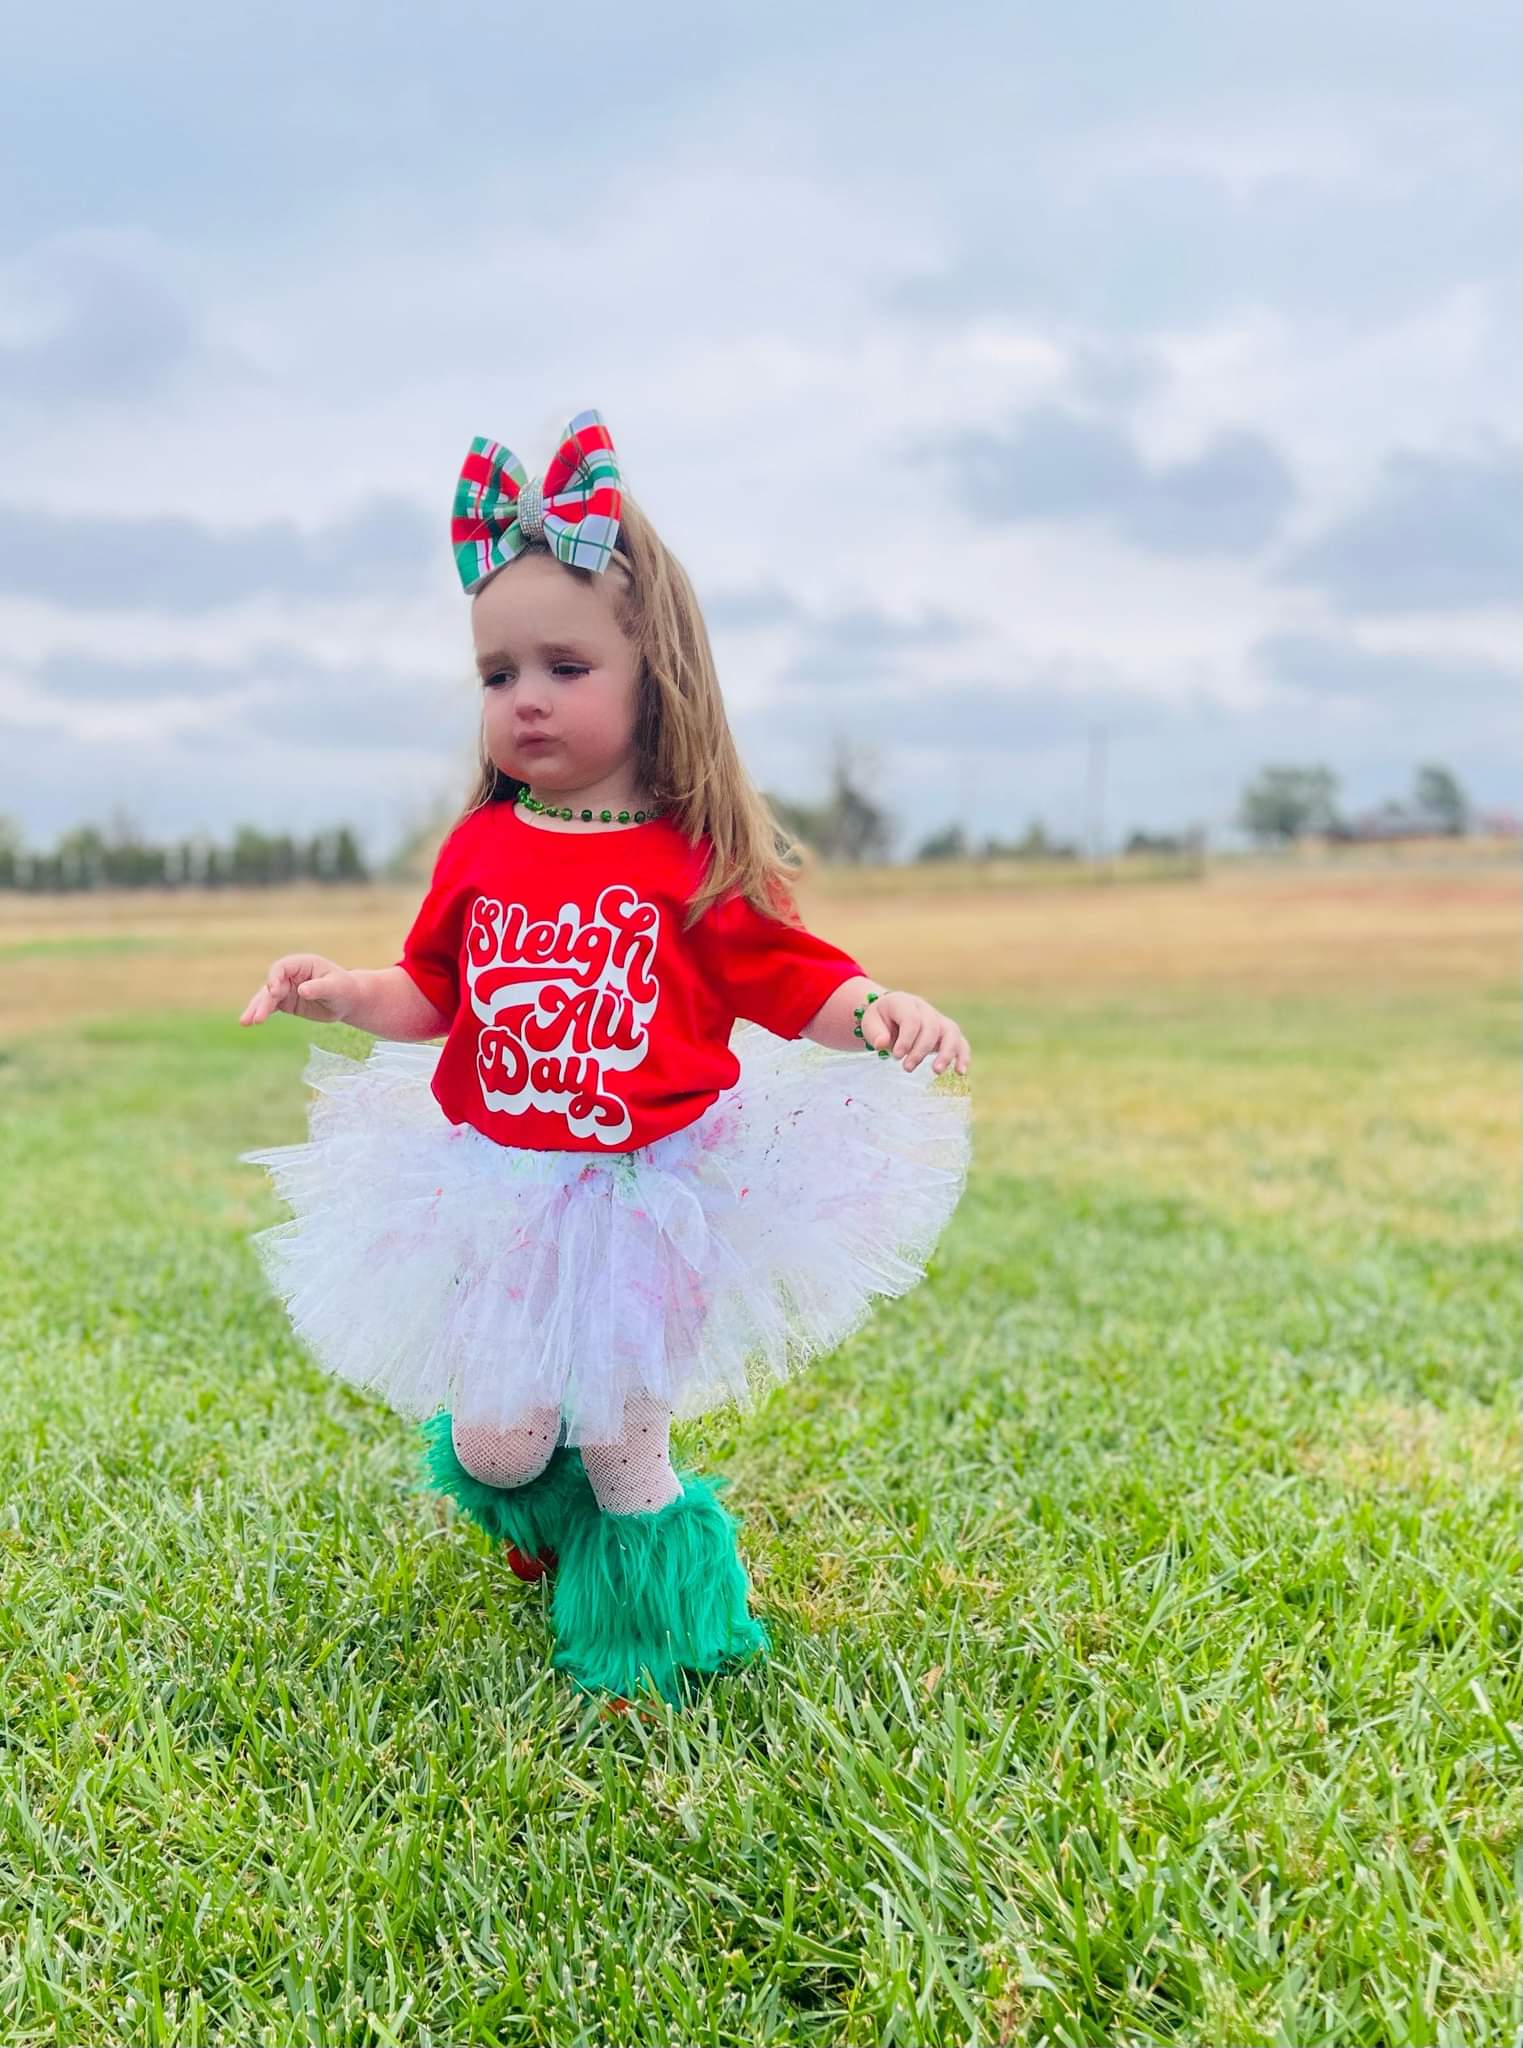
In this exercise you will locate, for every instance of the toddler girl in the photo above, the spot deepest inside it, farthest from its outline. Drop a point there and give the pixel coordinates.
(673, 1143)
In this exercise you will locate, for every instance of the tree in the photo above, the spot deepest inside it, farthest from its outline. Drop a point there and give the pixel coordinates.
(1287, 803)
(1153, 842)
(12, 852)
(848, 826)
(1438, 795)
(798, 820)
(950, 843)
(81, 858)
(1035, 843)
(853, 828)
(249, 859)
(417, 845)
(348, 861)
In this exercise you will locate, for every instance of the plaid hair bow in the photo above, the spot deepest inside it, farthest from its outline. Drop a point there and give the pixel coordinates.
(575, 508)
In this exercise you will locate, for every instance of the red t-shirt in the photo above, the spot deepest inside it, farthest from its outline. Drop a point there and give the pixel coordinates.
(582, 1017)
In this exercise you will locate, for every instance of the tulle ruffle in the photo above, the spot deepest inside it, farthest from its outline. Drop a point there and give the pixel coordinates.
(432, 1267)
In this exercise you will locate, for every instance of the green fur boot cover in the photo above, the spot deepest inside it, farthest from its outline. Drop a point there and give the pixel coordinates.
(653, 1593)
(534, 1517)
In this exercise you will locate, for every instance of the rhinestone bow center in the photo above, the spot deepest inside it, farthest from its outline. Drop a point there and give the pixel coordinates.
(531, 510)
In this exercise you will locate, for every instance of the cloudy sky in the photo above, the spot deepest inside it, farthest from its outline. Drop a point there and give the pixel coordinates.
(1002, 375)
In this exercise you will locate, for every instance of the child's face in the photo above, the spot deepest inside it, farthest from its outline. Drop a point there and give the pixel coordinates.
(559, 678)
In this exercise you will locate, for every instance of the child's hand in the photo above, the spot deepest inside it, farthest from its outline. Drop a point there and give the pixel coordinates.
(306, 985)
(912, 1030)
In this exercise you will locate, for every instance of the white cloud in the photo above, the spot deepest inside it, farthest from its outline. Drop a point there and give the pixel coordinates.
(1328, 145)
(1336, 392)
(753, 297)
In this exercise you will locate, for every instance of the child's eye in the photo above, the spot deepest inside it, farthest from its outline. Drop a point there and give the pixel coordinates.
(503, 675)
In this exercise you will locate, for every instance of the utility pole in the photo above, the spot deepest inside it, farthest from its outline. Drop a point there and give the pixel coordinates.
(968, 778)
(1096, 797)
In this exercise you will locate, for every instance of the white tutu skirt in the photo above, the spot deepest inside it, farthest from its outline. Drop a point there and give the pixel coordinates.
(435, 1268)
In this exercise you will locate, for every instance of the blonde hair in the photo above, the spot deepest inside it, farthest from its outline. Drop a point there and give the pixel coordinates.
(686, 752)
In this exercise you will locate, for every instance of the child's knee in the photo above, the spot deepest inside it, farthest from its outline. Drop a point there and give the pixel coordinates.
(506, 1457)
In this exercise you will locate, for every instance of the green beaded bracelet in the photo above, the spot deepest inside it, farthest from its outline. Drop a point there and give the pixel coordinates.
(858, 1032)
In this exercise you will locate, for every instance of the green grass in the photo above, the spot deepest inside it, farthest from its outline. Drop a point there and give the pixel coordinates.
(1144, 1593)
(81, 945)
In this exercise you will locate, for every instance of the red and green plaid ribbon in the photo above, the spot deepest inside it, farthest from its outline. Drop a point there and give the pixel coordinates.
(582, 502)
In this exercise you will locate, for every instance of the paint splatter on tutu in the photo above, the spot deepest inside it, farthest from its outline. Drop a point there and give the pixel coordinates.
(430, 1266)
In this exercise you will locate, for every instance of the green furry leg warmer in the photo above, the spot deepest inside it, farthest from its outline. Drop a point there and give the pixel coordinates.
(535, 1517)
(654, 1594)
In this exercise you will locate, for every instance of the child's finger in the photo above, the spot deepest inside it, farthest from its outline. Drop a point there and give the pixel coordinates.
(884, 1039)
(327, 991)
(891, 1027)
(875, 1029)
(927, 1038)
(918, 1038)
(952, 1047)
(292, 982)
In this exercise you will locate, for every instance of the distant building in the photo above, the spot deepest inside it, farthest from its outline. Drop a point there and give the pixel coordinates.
(1499, 825)
(1390, 821)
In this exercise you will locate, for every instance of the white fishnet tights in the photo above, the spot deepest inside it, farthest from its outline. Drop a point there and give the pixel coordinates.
(507, 1457)
(632, 1476)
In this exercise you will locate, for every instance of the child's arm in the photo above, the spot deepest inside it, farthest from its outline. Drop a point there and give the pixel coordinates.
(384, 1001)
(905, 1025)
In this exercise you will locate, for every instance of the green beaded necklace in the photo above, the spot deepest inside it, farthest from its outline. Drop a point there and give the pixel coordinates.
(532, 803)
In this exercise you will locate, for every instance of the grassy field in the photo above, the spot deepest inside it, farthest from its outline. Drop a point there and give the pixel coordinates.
(1144, 1587)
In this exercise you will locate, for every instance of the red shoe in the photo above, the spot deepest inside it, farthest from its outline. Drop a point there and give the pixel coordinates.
(530, 1568)
(617, 1704)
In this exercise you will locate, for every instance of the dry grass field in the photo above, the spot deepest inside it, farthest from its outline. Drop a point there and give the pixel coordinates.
(1261, 963)
(1343, 931)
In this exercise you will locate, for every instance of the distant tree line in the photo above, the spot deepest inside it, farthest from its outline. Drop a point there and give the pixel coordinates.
(953, 842)
(848, 826)
(1036, 843)
(1282, 805)
(120, 857)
